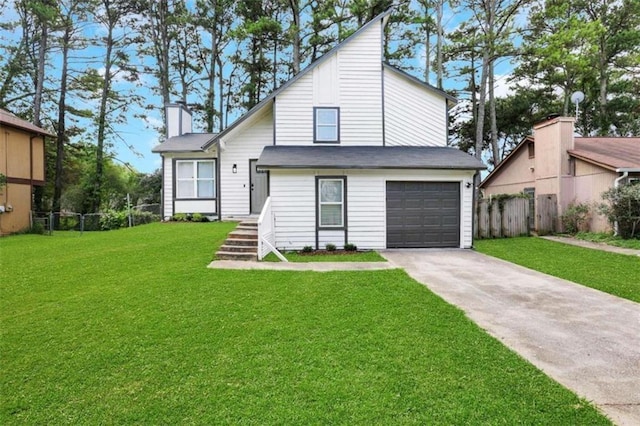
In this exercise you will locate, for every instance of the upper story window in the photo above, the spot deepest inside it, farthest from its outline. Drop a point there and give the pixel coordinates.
(195, 178)
(532, 149)
(326, 123)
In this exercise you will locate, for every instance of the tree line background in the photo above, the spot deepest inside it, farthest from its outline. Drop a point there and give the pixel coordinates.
(83, 68)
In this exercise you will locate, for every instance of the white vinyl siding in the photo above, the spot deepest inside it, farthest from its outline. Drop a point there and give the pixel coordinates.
(413, 114)
(350, 79)
(294, 205)
(239, 148)
(360, 74)
(294, 113)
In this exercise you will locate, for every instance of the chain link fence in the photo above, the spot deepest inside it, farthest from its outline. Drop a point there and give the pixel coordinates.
(47, 222)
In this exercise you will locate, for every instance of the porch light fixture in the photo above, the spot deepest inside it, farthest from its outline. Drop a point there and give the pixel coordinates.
(234, 169)
(468, 184)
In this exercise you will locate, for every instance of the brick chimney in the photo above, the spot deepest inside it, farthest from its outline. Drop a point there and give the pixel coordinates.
(178, 119)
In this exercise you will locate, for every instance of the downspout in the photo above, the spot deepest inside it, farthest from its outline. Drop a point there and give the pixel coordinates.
(616, 184)
(474, 201)
(31, 138)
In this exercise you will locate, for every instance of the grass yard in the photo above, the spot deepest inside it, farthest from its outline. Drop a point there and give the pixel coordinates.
(129, 327)
(612, 273)
(601, 237)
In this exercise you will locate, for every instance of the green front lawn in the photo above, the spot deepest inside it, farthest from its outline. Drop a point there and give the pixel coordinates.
(612, 273)
(130, 327)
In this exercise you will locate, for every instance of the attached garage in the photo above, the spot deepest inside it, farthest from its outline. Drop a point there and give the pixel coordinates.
(391, 197)
(423, 214)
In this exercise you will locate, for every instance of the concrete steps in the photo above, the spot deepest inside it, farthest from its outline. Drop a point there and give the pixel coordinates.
(241, 243)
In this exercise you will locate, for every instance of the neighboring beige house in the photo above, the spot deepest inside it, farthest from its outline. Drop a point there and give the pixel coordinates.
(574, 169)
(22, 161)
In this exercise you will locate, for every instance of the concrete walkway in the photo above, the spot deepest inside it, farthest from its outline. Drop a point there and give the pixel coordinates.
(592, 245)
(587, 340)
(306, 266)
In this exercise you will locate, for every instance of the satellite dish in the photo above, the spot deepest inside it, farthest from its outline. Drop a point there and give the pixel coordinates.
(576, 98)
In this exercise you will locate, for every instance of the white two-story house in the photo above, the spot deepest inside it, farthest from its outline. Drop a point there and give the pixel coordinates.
(350, 150)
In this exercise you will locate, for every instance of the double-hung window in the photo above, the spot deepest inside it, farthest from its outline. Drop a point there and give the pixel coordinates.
(326, 125)
(331, 202)
(195, 178)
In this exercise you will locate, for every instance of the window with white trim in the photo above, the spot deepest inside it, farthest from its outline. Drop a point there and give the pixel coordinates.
(195, 179)
(326, 125)
(331, 203)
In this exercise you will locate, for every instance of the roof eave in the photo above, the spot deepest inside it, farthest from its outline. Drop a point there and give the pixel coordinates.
(343, 167)
(593, 161)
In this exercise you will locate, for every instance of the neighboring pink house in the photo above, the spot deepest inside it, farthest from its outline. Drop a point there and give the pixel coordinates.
(573, 168)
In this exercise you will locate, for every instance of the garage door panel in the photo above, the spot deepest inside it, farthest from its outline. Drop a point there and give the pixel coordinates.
(423, 214)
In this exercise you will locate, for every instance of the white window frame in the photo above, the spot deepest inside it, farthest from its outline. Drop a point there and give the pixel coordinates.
(331, 203)
(317, 124)
(195, 179)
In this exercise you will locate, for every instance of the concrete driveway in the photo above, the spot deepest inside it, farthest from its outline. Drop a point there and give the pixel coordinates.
(587, 340)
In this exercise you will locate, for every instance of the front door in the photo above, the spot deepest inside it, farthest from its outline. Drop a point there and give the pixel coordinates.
(259, 187)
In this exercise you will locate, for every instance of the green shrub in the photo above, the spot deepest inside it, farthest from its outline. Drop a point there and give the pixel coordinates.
(331, 247)
(350, 247)
(623, 207)
(112, 219)
(141, 217)
(306, 249)
(198, 217)
(180, 217)
(574, 217)
(37, 228)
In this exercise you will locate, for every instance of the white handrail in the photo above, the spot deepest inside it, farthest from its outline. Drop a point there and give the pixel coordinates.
(265, 230)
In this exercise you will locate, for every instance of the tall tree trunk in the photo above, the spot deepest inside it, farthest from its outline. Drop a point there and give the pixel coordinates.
(211, 90)
(481, 104)
(220, 95)
(61, 129)
(96, 198)
(160, 34)
(427, 57)
(603, 128)
(295, 13)
(492, 116)
(439, 53)
(42, 53)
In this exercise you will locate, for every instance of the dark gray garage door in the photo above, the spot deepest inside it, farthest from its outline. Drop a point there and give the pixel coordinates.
(423, 214)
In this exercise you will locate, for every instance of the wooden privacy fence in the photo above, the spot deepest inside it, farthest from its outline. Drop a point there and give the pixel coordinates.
(547, 211)
(502, 218)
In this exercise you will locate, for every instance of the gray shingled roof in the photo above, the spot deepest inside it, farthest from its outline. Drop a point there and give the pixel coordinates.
(366, 157)
(189, 142)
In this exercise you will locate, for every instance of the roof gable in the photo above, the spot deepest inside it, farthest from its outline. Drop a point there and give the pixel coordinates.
(381, 18)
(507, 160)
